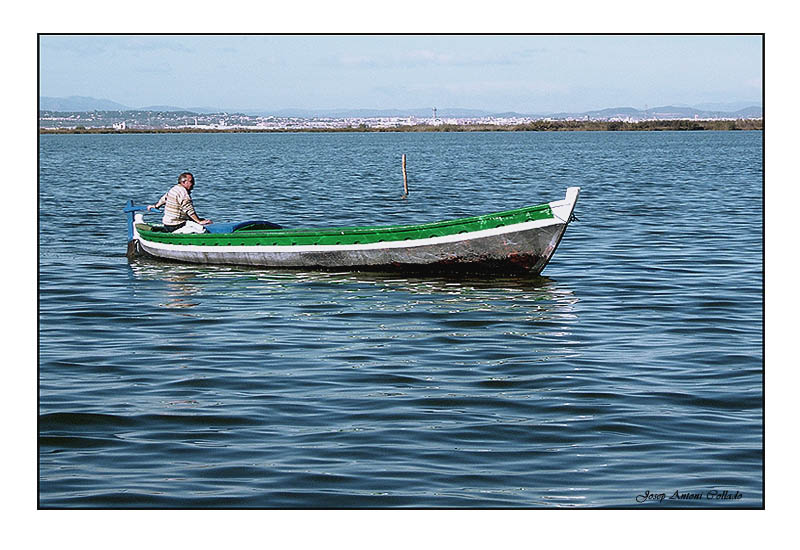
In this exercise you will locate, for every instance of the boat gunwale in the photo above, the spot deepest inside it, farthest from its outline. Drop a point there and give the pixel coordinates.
(449, 227)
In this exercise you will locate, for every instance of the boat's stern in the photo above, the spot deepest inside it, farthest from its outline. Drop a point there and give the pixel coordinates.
(135, 215)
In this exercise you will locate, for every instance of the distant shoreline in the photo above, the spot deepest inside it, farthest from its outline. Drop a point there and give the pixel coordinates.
(535, 126)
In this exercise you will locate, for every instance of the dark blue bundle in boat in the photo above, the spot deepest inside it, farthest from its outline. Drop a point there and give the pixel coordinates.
(252, 225)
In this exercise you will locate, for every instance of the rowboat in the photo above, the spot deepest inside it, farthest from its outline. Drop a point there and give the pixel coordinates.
(520, 240)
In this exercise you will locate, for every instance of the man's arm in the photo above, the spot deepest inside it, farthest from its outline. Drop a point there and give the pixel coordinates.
(161, 202)
(188, 207)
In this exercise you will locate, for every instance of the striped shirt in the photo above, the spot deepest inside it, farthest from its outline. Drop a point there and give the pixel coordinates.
(179, 206)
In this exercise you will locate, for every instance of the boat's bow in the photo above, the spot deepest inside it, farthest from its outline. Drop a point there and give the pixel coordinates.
(563, 209)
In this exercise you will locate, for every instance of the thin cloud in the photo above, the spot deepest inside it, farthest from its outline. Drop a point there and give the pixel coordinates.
(431, 58)
(154, 68)
(150, 44)
(69, 44)
(83, 46)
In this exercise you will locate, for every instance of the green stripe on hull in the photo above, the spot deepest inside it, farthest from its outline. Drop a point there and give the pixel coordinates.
(352, 235)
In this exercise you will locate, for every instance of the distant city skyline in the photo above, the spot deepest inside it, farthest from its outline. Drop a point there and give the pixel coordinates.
(515, 73)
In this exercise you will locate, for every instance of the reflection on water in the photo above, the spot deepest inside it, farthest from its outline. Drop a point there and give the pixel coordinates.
(446, 327)
(537, 297)
(180, 290)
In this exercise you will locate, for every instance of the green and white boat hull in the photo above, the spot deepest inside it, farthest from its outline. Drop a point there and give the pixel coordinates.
(521, 240)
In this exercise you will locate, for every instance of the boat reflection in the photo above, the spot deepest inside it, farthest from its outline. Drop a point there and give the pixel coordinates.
(537, 296)
(181, 291)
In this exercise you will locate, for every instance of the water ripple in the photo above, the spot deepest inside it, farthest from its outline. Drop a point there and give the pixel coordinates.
(635, 363)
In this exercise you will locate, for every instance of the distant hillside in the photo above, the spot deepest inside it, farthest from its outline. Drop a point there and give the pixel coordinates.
(724, 107)
(371, 113)
(76, 104)
(663, 113)
(172, 108)
(750, 112)
(163, 108)
(79, 103)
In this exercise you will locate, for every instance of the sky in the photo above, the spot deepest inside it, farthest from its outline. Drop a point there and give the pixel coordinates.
(523, 73)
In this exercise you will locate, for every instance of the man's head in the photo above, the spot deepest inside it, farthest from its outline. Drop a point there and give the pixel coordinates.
(187, 180)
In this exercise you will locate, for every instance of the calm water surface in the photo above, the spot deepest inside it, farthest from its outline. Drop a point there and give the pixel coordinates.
(634, 364)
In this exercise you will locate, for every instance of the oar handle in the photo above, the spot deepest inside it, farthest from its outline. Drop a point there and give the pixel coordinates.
(129, 210)
(134, 207)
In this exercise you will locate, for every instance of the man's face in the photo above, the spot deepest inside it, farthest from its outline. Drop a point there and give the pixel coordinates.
(188, 183)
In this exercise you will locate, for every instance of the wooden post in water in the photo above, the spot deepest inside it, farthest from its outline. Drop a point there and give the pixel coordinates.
(405, 178)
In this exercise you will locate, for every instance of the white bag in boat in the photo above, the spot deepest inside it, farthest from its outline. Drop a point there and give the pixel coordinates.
(191, 227)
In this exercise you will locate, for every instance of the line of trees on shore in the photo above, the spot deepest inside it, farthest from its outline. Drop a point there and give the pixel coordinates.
(534, 126)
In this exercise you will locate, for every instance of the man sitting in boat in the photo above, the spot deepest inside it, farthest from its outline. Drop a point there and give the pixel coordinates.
(179, 214)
